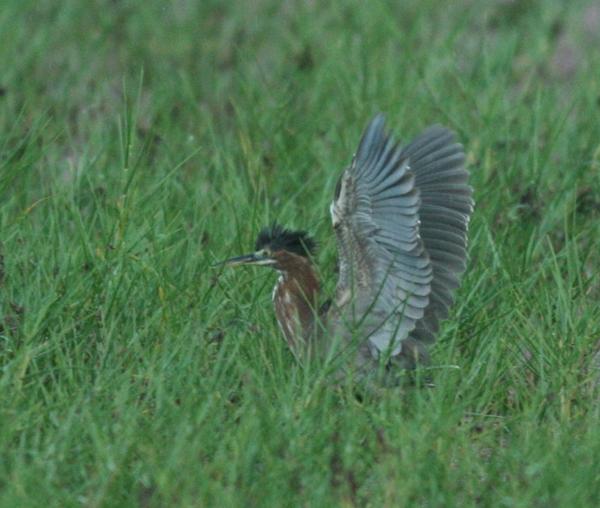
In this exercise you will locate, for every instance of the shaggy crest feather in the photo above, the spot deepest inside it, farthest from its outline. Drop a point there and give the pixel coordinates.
(276, 237)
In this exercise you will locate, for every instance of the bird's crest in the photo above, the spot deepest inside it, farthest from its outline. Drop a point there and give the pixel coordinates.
(276, 237)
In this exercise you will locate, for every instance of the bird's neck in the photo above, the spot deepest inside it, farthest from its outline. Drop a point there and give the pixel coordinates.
(296, 303)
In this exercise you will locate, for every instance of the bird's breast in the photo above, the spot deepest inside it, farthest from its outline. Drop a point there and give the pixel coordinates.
(286, 311)
(295, 302)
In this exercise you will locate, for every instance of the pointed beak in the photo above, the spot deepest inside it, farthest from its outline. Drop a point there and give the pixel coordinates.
(248, 259)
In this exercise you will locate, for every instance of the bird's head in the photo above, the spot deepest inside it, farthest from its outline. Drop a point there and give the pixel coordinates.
(279, 248)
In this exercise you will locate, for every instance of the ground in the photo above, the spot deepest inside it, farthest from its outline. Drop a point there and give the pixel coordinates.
(140, 142)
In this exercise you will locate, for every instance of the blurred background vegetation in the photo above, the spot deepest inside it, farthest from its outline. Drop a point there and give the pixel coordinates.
(142, 141)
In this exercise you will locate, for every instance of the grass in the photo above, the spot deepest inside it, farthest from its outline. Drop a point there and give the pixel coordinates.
(140, 142)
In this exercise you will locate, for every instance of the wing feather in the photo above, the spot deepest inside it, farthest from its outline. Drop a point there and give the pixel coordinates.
(401, 217)
(382, 257)
(437, 161)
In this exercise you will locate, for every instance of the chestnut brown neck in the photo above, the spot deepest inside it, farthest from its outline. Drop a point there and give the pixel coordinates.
(296, 299)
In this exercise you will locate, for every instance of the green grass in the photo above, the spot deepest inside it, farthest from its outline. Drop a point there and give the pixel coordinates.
(142, 141)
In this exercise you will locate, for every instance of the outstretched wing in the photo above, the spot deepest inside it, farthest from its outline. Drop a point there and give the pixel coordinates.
(437, 162)
(401, 217)
(385, 272)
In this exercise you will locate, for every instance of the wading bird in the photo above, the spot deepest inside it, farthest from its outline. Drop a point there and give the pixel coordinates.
(400, 216)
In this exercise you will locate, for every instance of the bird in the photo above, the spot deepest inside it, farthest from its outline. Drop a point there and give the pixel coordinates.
(400, 215)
